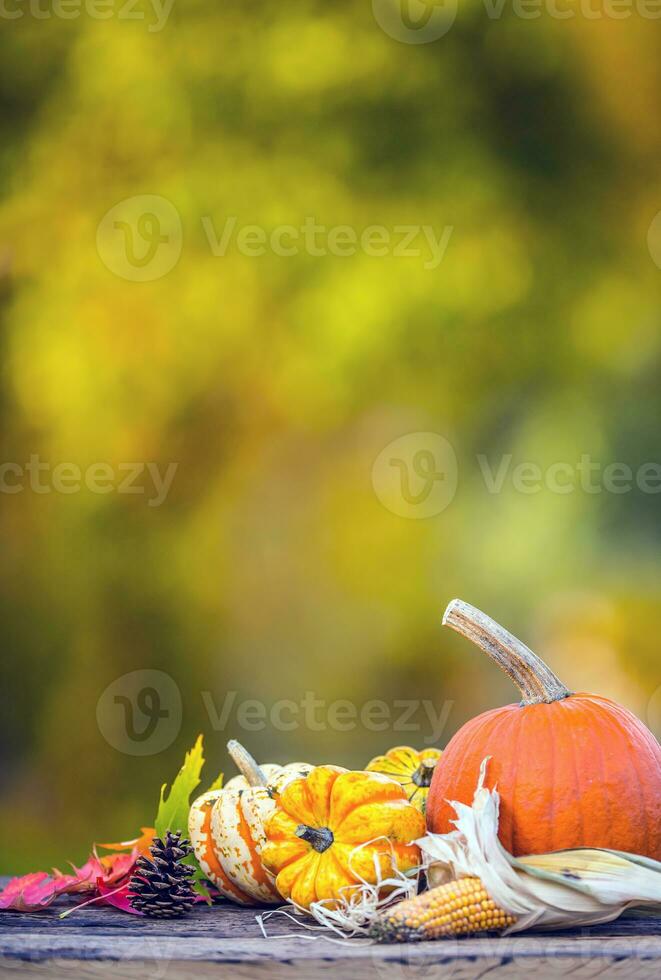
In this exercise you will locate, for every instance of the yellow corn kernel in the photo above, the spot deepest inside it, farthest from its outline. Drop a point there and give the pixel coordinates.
(460, 908)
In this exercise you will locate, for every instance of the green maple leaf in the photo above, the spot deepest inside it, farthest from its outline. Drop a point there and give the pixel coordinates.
(217, 783)
(174, 809)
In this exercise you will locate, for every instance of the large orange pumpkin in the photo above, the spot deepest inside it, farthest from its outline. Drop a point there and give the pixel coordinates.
(572, 770)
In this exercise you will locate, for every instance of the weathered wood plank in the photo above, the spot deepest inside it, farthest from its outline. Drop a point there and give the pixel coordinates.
(332, 970)
(465, 968)
(226, 942)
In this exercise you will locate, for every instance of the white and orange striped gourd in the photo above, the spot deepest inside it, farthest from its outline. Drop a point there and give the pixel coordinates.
(226, 827)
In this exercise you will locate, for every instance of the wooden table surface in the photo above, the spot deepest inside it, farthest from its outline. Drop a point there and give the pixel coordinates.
(225, 941)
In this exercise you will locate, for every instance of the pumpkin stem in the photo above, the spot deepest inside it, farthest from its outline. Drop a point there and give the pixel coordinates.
(321, 838)
(537, 682)
(422, 777)
(246, 764)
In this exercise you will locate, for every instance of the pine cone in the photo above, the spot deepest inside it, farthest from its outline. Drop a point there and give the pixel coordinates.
(160, 888)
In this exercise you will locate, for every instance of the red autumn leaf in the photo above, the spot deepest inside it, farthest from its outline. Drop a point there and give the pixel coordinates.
(109, 869)
(118, 897)
(31, 893)
(83, 879)
(37, 890)
(115, 867)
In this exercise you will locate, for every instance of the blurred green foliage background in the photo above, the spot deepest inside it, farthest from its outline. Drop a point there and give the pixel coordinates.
(272, 568)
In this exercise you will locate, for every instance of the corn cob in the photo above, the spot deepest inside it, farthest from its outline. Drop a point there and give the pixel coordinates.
(460, 908)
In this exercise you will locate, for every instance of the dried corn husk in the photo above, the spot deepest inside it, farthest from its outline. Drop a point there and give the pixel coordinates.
(548, 891)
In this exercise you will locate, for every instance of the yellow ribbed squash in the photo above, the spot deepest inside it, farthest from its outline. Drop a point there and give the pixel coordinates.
(411, 768)
(335, 829)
